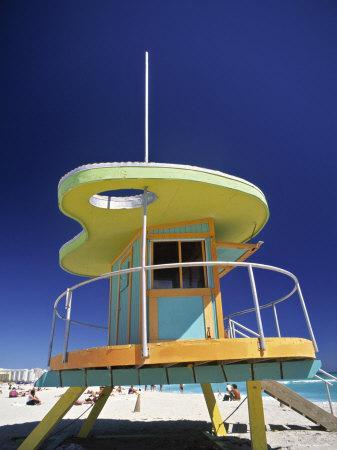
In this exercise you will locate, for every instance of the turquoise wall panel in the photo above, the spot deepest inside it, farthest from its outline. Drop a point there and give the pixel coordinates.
(209, 374)
(135, 295)
(215, 318)
(98, 377)
(73, 378)
(177, 375)
(113, 314)
(50, 379)
(123, 377)
(209, 258)
(191, 228)
(267, 371)
(153, 375)
(238, 372)
(124, 289)
(229, 254)
(300, 369)
(181, 318)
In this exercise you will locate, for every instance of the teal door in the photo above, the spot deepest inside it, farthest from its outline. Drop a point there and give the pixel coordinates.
(181, 318)
(124, 304)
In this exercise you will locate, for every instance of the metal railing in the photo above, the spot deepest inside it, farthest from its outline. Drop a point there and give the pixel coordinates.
(327, 385)
(233, 324)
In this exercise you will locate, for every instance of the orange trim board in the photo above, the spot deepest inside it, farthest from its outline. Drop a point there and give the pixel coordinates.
(193, 351)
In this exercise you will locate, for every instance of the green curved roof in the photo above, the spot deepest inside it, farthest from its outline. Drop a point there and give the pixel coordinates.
(183, 193)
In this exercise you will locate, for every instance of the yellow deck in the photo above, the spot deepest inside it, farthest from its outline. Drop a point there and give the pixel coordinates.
(193, 351)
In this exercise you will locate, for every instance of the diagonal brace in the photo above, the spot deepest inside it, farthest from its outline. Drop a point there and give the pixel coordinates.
(52, 418)
(213, 409)
(94, 413)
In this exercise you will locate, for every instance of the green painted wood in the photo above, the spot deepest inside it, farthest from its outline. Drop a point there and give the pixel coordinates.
(190, 228)
(135, 295)
(153, 375)
(209, 374)
(238, 372)
(209, 258)
(123, 377)
(178, 375)
(123, 305)
(98, 377)
(50, 379)
(73, 378)
(113, 314)
(300, 369)
(267, 371)
(215, 318)
(229, 254)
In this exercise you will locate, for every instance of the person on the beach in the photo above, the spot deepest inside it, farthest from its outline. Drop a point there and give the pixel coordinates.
(32, 399)
(235, 393)
(228, 394)
(13, 393)
(181, 388)
(132, 390)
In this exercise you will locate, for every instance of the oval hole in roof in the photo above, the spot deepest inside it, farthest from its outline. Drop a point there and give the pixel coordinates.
(121, 199)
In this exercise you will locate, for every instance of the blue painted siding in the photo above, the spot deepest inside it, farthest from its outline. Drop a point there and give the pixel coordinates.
(181, 318)
(174, 375)
(114, 290)
(229, 254)
(135, 295)
(192, 228)
(216, 331)
(209, 258)
(124, 288)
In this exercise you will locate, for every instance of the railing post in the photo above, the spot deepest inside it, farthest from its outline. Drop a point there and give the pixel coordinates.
(230, 328)
(51, 340)
(145, 349)
(257, 308)
(69, 296)
(276, 321)
(306, 316)
(329, 397)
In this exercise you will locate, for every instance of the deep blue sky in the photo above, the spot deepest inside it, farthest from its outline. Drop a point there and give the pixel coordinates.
(248, 88)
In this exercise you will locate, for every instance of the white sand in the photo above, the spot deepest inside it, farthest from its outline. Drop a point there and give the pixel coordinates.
(293, 430)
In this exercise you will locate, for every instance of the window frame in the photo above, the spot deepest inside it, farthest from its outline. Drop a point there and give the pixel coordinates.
(179, 241)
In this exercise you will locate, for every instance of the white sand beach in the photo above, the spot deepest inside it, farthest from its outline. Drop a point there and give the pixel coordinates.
(172, 412)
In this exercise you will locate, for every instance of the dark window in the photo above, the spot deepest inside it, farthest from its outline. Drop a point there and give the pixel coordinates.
(164, 253)
(193, 277)
(168, 252)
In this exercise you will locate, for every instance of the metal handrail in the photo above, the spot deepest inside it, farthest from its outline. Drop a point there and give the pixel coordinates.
(257, 308)
(327, 387)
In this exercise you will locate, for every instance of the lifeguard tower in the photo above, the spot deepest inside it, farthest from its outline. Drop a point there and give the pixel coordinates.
(164, 235)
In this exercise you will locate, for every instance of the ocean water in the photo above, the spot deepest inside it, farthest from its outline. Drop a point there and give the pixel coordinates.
(313, 390)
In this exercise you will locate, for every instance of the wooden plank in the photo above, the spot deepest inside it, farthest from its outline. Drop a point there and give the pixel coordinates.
(208, 316)
(49, 422)
(300, 404)
(256, 416)
(214, 413)
(94, 413)
(199, 350)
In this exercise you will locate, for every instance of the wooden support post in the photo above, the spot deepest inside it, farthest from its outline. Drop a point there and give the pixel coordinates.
(218, 425)
(94, 413)
(55, 415)
(256, 416)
